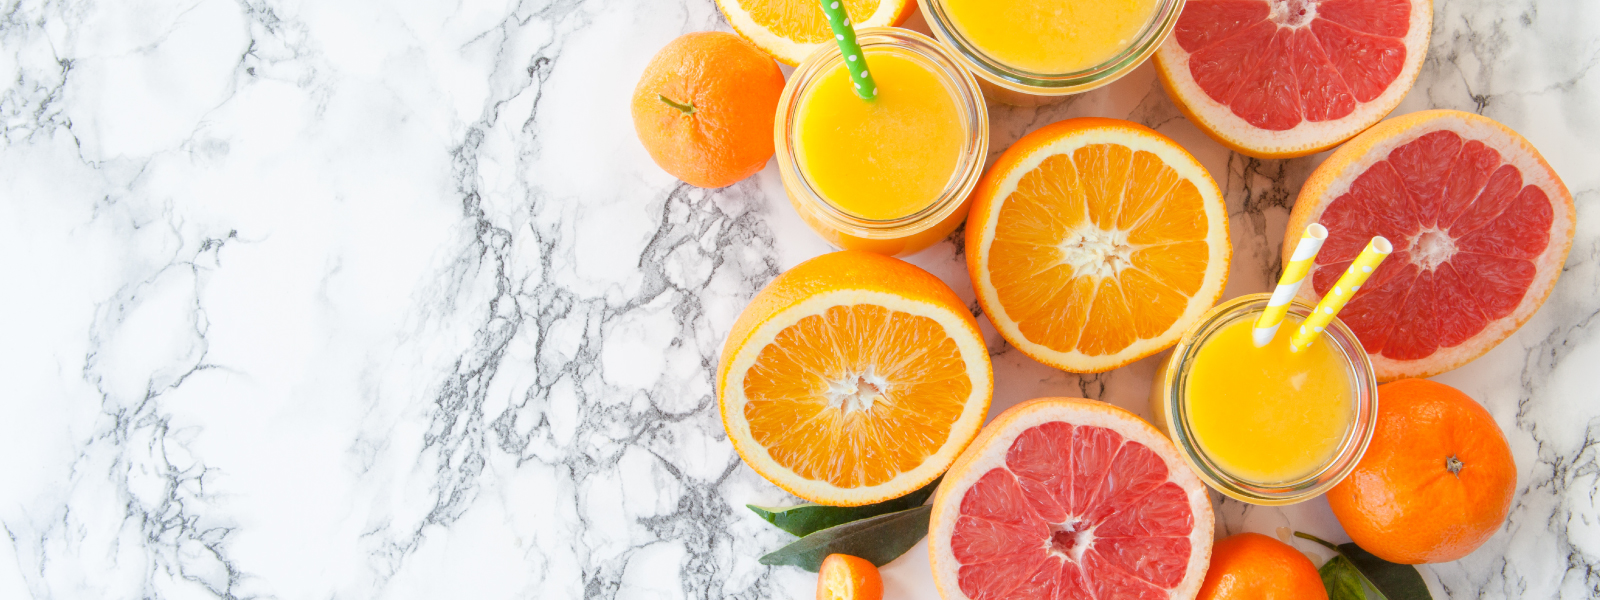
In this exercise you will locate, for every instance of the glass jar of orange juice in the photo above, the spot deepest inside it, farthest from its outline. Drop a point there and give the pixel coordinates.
(890, 175)
(1267, 425)
(1027, 51)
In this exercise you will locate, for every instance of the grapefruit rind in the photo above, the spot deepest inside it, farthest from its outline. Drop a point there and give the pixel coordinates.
(1334, 177)
(1001, 181)
(1219, 122)
(989, 450)
(791, 52)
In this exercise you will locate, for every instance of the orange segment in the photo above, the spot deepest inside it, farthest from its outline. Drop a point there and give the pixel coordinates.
(853, 378)
(790, 30)
(1095, 242)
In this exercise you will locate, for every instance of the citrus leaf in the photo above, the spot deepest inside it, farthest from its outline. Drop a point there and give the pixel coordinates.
(1343, 580)
(805, 519)
(1396, 582)
(879, 539)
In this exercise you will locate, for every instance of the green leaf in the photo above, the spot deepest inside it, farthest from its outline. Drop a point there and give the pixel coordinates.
(805, 519)
(1343, 580)
(1397, 582)
(879, 539)
(1373, 578)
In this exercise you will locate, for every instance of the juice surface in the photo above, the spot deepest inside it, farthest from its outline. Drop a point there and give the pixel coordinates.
(1266, 414)
(1050, 36)
(886, 158)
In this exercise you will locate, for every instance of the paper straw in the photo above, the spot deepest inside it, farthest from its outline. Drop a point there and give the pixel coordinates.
(1362, 268)
(854, 58)
(1294, 274)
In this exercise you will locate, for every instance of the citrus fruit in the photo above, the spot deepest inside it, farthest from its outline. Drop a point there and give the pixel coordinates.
(853, 378)
(1285, 78)
(1480, 224)
(1069, 498)
(845, 577)
(790, 30)
(1251, 566)
(704, 108)
(1093, 243)
(1436, 481)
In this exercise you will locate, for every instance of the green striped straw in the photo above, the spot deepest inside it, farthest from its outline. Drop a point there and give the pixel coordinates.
(854, 58)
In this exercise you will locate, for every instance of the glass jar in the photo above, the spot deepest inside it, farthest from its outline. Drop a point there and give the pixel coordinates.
(1169, 403)
(1021, 87)
(924, 227)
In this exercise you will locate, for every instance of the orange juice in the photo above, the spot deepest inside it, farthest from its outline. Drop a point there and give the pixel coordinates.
(1050, 36)
(1267, 414)
(889, 175)
(886, 158)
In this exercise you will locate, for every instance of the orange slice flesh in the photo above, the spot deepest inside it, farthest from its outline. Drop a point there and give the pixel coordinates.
(853, 378)
(1110, 240)
(790, 30)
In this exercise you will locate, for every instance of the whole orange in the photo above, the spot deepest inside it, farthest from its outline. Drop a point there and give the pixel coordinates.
(1251, 566)
(704, 108)
(1436, 481)
(845, 577)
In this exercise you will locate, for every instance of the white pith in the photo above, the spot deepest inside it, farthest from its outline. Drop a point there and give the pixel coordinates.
(990, 453)
(1292, 13)
(1514, 150)
(1103, 253)
(851, 395)
(1173, 62)
(783, 49)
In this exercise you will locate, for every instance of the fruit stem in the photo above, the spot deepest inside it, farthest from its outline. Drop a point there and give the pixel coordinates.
(687, 108)
(1454, 465)
(1307, 536)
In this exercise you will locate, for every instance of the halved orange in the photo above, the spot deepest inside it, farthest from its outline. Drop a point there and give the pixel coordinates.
(853, 378)
(1094, 242)
(790, 30)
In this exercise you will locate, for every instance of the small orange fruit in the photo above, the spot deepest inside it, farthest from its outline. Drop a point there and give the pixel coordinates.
(853, 378)
(845, 577)
(1251, 566)
(1436, 481)
(704, 108)
(1093, 243)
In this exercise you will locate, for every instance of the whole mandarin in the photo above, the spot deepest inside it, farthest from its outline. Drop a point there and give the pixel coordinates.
(704, 108)
(1251, 566)
(1436, 481)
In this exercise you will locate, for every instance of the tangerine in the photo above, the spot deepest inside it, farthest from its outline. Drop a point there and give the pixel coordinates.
(1435, 482)
(704, 108)
(845, 577)
(1251, 566)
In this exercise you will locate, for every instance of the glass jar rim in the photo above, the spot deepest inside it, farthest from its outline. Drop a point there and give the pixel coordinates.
(1319, 481)
(1150, 37)
(970, 103)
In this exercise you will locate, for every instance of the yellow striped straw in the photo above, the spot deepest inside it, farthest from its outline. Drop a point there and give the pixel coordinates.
(1294, 274)
(1362, 268)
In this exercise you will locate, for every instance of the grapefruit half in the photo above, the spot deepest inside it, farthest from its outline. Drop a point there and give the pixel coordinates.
(1480, 223)
(1286, 78)
(1070, 498)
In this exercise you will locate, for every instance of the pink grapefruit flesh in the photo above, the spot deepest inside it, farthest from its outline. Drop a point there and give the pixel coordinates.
(1071, 500)
(1278, 78)
(1480, 224)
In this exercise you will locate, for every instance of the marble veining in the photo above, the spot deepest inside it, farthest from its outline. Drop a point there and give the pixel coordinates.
(350, 299)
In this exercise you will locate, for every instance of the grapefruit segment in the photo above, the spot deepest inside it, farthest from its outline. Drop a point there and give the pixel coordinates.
(1069, 498)
(1480, 223)
(1286, 78)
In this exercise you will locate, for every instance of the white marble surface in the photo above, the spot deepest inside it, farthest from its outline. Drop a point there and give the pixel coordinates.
(316, 299)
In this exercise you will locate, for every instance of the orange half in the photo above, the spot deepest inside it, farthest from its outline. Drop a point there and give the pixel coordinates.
(853, 378)
(790, 30)
(1094, 242)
